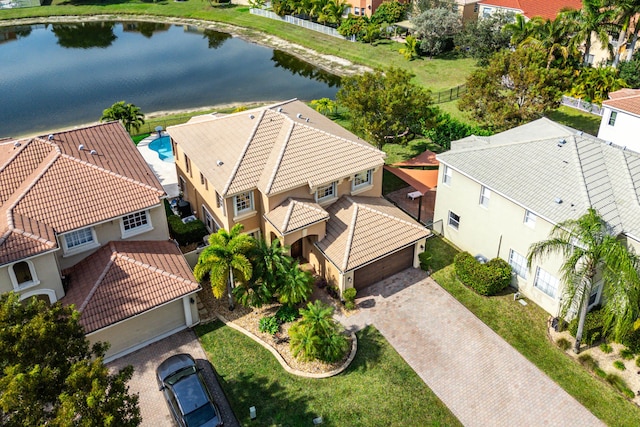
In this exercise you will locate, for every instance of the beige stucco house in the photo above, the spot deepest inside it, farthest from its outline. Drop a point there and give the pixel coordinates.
(285, 171)
(82, 221)
(498, 195)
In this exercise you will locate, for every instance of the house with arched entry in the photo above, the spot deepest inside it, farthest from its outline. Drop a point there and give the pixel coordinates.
(285, 171)
(82, 222)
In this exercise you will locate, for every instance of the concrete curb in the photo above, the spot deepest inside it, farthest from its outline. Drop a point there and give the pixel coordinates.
(352, 355)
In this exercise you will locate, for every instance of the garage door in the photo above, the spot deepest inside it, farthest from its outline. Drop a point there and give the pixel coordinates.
(379, 270)
(142, 329)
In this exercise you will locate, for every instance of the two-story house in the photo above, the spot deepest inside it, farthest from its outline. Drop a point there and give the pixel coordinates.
(547, 9)
(285, 171)
(82, 221)
(498, 195)
(621, 119)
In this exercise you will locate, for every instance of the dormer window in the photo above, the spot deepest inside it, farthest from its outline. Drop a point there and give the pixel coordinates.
(79, 241)
(135, 223)
(23, 275)
(243, 203)
(361, 180)
(326, 192)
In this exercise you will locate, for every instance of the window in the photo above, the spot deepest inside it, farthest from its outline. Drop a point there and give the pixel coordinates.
(80, 240)
(447, 175)
(612, 118)
(593, 298)
(530, 219)
(326, 192)
(182, 183)
(486, 12)
(546, 282)
(485, 195)
(243, 202)
(209, 222)
(475, 8)
(362, 179)
(518, 263)
(23, 275)
(454, 220)
(220, 202)
(356, 11)
(135, 223)
(255, 234)
(187, 164)
(204, 181)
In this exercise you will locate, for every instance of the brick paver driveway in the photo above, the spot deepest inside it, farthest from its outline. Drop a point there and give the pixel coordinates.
(481, 378)
(153, 407)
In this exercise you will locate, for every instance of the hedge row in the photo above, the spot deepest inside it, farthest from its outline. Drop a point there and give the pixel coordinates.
(486, 279)
(191, 232)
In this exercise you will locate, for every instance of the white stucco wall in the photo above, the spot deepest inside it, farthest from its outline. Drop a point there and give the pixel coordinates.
(624, 132)
(48, 276)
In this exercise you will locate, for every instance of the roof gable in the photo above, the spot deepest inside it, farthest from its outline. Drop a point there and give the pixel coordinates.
(627, 100)
(294, 214)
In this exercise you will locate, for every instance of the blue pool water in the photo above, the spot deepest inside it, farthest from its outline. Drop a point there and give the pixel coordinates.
(162, 146)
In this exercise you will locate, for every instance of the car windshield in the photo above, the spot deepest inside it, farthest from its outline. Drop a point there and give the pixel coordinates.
(177, 376)
(201, 416)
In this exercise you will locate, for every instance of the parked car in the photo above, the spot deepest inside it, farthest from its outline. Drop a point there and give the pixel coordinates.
(186, 393)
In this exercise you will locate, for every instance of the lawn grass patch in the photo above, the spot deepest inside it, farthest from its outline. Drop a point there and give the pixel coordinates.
(525, 328)
(438, 253)
(586, 122)
(378, 388)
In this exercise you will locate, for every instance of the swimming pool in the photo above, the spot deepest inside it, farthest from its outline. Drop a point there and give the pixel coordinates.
(162, 146)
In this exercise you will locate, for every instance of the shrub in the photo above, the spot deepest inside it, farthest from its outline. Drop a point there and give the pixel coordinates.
(619, 384)
(638, 362)
(447, 129)
(563, 343)
(350, 305)
(333, 291)
(626, 354)
(593, 326)
(269, 324)
(191, 232)
(425, 260)
(632, 341)
(619, 364)
(317, 335)
(599, 372)
(606, 348)
(349, 295)
(486, 279)
(588, 361)
(287, 313)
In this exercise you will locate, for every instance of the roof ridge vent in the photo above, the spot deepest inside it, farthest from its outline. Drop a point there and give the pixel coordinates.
(17, 144)
(80, 147)
(279, 110)
(558, 200)
(299, 115)
(251, 116)
(93, 152)
(50, 137)
(562, 142)
(219, 162)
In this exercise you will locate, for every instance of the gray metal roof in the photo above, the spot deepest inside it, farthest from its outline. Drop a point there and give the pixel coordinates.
(531, 166)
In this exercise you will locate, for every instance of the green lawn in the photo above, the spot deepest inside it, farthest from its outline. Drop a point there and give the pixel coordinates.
(525, 329)
(586, 122)
(378, 389)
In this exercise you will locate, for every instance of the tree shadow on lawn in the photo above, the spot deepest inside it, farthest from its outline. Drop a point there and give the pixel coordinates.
(370, 342)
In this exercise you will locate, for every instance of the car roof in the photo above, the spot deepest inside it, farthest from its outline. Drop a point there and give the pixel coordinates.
(190, 393)
(174, 364)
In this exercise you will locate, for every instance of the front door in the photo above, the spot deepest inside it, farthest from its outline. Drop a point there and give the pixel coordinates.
(296, 249)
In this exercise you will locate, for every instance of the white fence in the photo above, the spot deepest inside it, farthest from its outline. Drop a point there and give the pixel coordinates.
(579, 104)
(299, 22)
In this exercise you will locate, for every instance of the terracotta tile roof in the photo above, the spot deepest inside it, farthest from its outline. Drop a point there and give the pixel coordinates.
(548, 9)
(627, 100)
(294, 214)
(363, 229)
(49, 186)
(273, 148)
(126, 278)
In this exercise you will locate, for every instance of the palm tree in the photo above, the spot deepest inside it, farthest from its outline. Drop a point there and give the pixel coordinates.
(594, 84)
(130, 115)
(410, 49)
(594, 19)
(334, 9)
(626, 10)
(296, 286)
(316, 335)
(552, 36)
(521, 29)
(225, 260)
(590, 248)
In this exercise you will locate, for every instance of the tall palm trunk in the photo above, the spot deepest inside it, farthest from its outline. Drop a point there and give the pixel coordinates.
(633, 43)
(621, 39)
(230, 290)
(581, 319)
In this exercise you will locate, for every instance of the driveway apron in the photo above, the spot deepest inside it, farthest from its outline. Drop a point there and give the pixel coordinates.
(479, 376)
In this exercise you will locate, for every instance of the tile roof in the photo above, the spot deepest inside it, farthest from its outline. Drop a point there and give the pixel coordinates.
(627, 100)
(548, 9)
(274, 149)
(582, 172)
(48, 186)
(127, 278)
(294, 214)
(363, 229)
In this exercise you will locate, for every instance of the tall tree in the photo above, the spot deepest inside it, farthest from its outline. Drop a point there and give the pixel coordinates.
(630, 71)
(594, 19)
(590, 249)
(627, 17)
(553, 37)
(49, 375)
(514, 88)
(385, 105)
(594, 84)
(436, 28)
(130, 115)
(521, 28)
(225, 260)
(482, 38)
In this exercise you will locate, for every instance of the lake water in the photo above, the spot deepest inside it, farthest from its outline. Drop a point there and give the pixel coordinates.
(54, 76)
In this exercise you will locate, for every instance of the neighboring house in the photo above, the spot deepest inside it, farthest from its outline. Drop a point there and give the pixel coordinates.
(285, 171)
(621, 119)
(547, 9)
(82, 222)
(498, 195)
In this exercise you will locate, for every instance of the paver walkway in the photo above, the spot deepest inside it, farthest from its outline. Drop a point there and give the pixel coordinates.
(479, 376)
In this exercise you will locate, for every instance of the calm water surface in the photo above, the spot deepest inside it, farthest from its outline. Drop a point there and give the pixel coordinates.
(61, 75)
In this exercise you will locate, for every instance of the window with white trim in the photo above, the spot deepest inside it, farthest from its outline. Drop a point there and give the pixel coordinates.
(187, 164)
(326, 192)
(79, 240)
(209, 221)
(530, 219)
(361, 179)
(23, 274)
(220, 202)
(204, 181)
(182, 183)
(454, 220)
(135, 223)
(486, 12)
(546, 282)
(255, 234)
(518, 263)
(447, 175)
(243, 202)
(612, 118)
(485, 195)
(593, 297)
